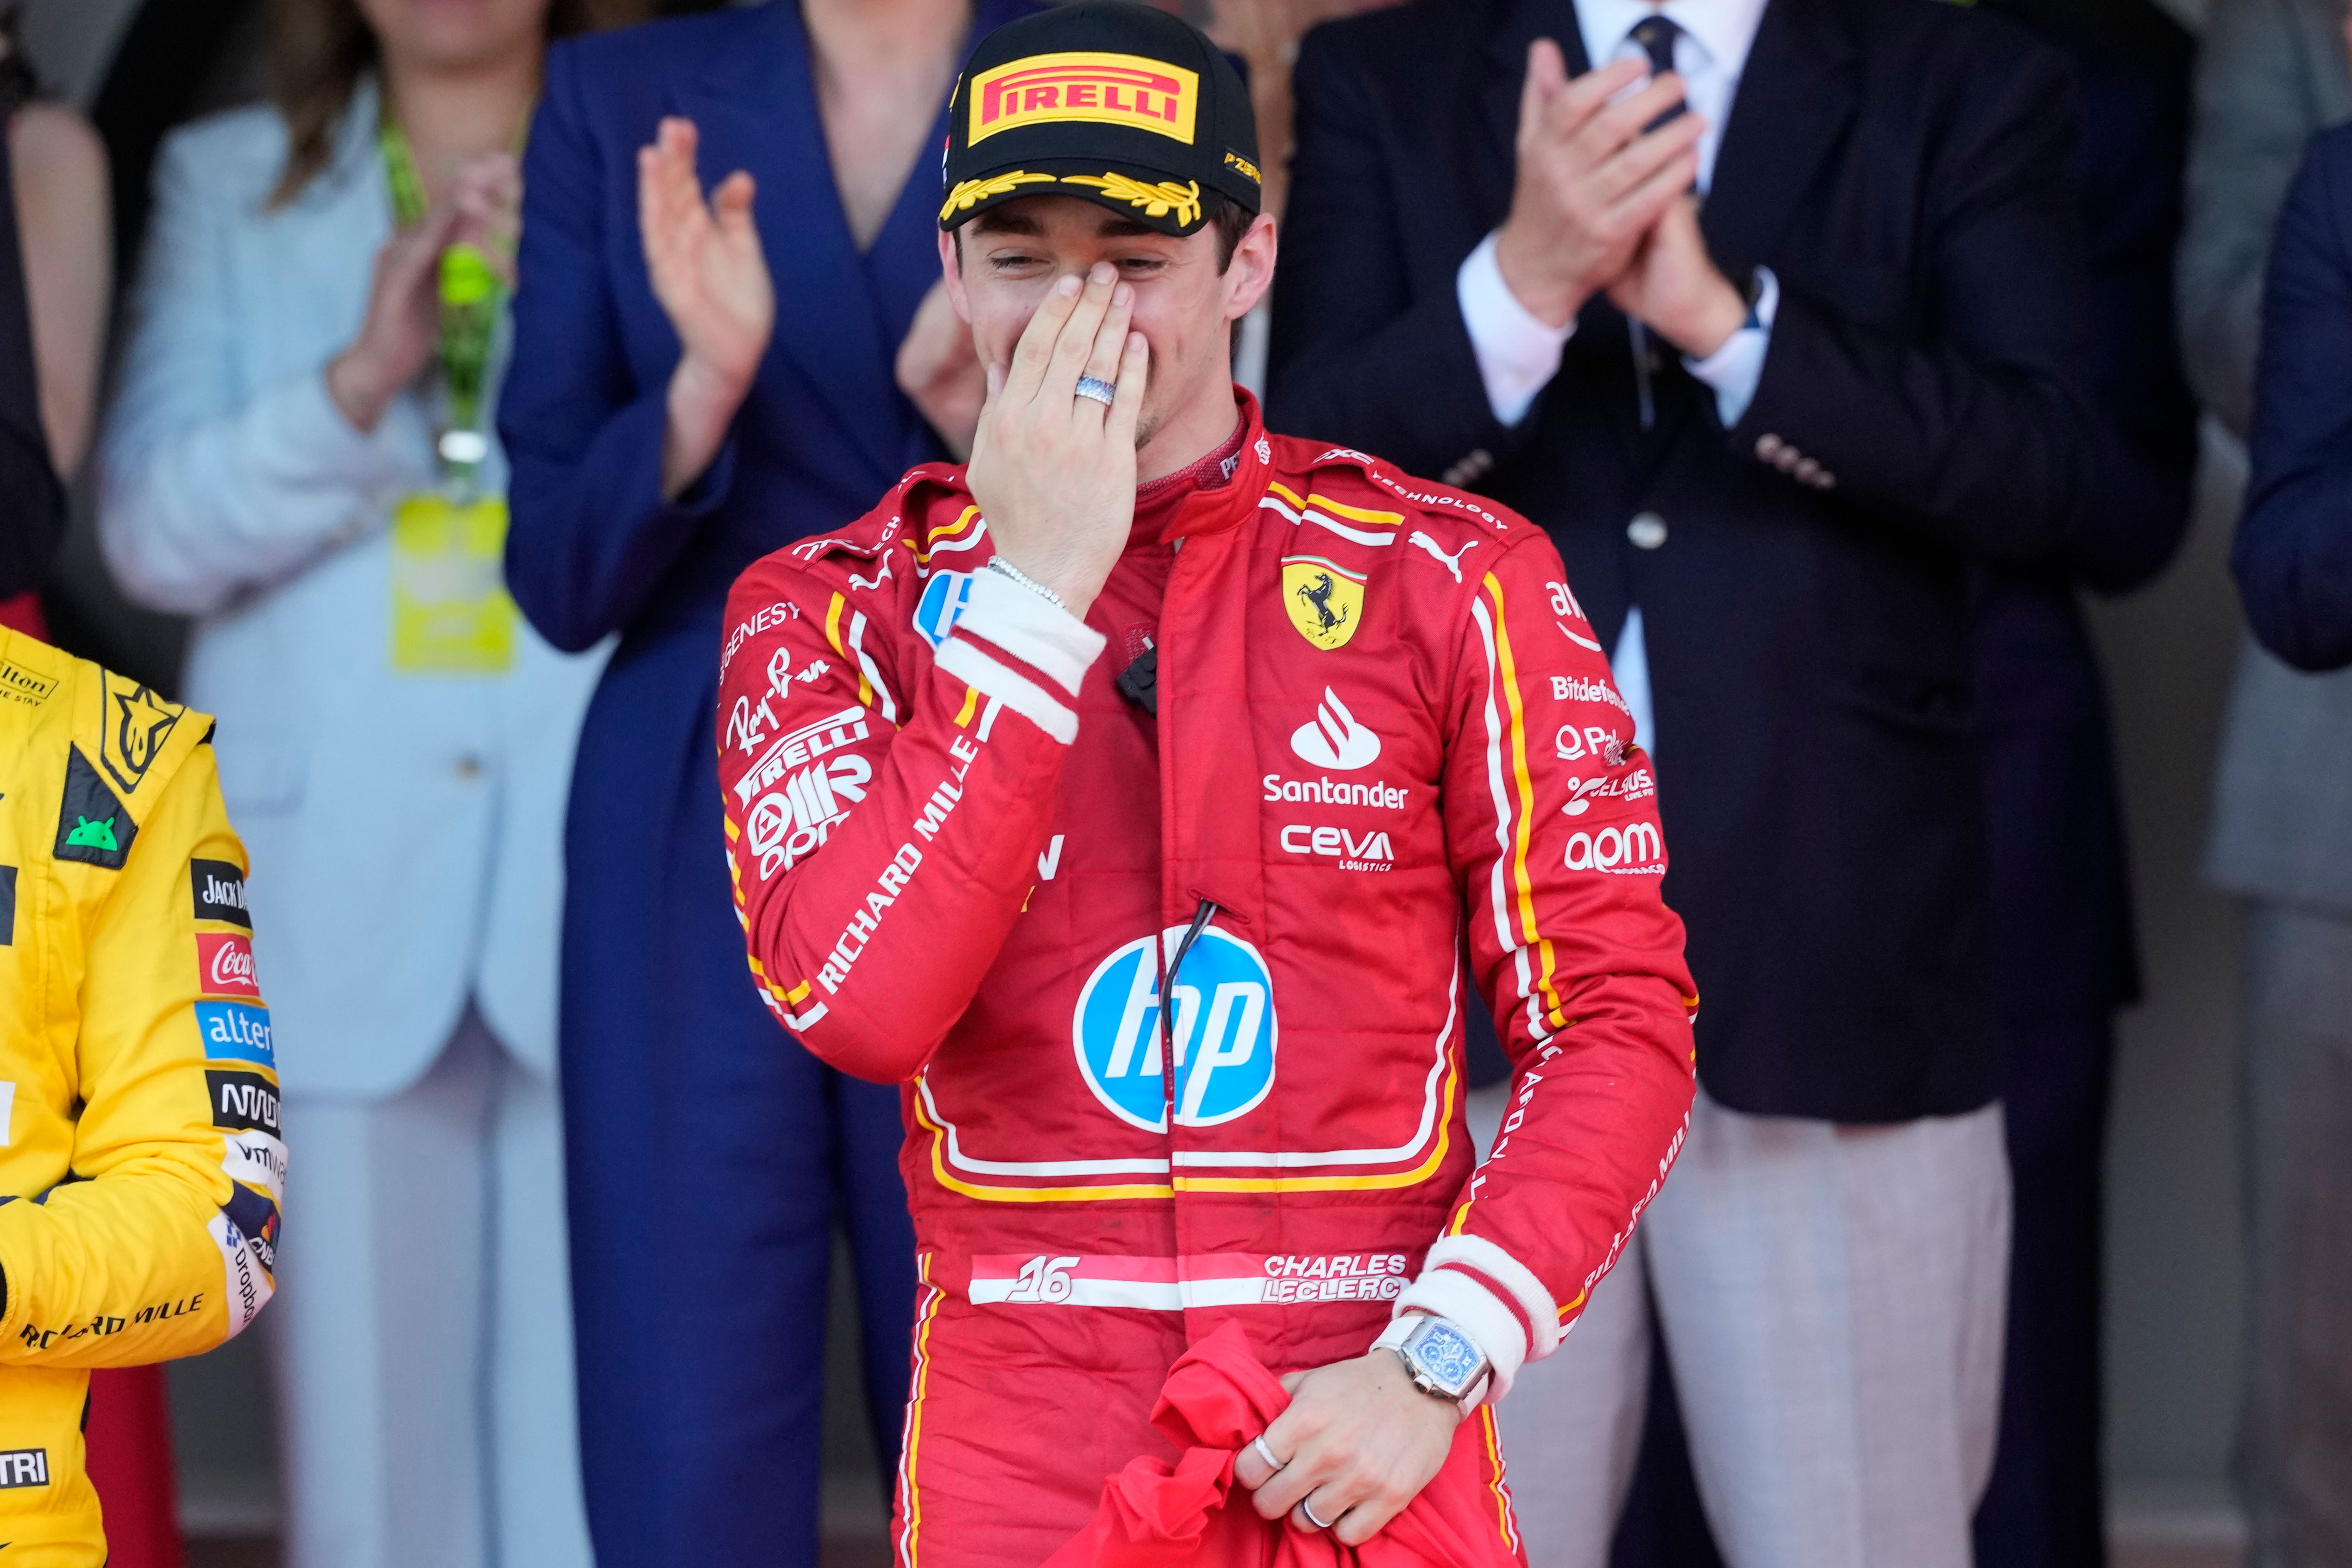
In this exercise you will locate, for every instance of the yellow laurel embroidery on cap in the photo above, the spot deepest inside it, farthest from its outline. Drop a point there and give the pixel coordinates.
(1107, 89)
(1157, 201)
(968, 192)
(1235, 161)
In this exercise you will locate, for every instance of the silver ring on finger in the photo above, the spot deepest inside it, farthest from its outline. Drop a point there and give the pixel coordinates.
(1096, 387)
(1312, 1518)
(1266, 1453)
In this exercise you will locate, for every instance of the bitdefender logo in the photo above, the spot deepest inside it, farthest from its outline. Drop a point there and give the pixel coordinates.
(1335, 739)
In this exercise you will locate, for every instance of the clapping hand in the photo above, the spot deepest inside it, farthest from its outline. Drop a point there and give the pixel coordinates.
(403, 323)
(710, 277)
(1053, 472)
(939, 371)
(1673, 286)
(486, 197)
(1592, 183)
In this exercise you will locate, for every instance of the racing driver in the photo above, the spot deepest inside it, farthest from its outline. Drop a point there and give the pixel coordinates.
(1148, 703)
(141, 1165)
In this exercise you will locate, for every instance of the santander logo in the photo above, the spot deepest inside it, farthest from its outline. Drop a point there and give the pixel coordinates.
(225, 965)
(1335, 739)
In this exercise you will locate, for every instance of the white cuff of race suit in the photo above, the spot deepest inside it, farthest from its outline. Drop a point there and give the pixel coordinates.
(1029, 628)
(1490, 1309)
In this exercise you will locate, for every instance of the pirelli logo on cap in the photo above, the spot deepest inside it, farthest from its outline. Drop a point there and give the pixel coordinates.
(1110, 89)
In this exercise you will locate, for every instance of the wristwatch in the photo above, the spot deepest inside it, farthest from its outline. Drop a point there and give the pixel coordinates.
(1440, 1356)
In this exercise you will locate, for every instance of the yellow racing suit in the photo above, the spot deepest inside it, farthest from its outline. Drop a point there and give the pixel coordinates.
(141, 1163)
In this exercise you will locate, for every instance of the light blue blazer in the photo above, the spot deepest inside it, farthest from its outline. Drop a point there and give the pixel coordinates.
(405, 830)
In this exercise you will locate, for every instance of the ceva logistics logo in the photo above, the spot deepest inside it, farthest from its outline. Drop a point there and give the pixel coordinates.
(1224, 1032)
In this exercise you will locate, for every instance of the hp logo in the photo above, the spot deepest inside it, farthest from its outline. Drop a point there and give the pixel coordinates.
(1224, 1032)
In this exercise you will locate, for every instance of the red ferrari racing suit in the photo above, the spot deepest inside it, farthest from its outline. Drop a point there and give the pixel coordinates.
(1387, 778)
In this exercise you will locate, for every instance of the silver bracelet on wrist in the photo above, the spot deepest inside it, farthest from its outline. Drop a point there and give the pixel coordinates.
(1002, 567)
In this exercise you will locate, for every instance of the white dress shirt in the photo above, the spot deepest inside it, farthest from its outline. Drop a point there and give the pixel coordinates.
(1518, 353)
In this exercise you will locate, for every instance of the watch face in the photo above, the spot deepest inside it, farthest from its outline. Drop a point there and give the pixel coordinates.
(1446, 1354)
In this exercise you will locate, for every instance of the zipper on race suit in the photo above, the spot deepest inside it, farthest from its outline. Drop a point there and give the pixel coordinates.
(1169, 969)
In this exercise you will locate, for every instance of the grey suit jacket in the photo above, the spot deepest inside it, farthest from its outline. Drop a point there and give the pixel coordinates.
(2270, 74)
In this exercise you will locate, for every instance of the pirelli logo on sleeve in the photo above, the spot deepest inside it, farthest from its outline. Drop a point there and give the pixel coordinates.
(1109, 89)
(21, 1467)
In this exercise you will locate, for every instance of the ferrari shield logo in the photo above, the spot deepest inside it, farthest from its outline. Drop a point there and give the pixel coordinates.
(1324, 600)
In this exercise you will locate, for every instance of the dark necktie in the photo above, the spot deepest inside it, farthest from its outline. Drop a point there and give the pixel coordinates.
(1657, 36)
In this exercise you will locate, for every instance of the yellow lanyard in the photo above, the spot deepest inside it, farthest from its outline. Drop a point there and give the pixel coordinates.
(450, 611)
(472, 294)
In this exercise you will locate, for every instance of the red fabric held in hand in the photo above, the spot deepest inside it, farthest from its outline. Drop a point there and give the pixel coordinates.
(1218, 1397)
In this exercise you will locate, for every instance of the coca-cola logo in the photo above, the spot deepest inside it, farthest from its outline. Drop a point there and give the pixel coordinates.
(225, 965)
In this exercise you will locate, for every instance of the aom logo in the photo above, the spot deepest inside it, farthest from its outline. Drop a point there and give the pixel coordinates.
(1632, 850)
(1335, 739)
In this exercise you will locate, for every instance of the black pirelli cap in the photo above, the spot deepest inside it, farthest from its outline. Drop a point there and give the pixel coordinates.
(1107, 100)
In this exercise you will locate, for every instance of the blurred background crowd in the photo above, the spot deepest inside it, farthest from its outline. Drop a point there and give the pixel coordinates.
(225, 281)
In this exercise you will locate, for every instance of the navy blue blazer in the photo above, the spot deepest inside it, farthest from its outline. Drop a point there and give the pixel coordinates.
(1904, 169)
(593, 548)
(2293, 556)
(2061, 879)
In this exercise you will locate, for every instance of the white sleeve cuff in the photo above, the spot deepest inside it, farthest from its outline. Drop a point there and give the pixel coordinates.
(1534, 1301)
(1478, 1312)
(1032, 629)
(1735, 367)
(1518, 352)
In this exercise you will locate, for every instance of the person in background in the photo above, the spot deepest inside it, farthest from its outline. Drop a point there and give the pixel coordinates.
(2064, 947)
(300, 456)
(55, 270)
(2295, 865)
(700, 380)
(139, 1109)
(1774, 437)
(2060, 886)
(2271, 75)
(2293, 555)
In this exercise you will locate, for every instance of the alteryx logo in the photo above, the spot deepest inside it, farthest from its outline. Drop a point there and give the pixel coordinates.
(1224, 1032)
(944, 597)
(234, 1032)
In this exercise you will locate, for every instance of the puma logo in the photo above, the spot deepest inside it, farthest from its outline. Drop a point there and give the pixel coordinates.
(1451, 562)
